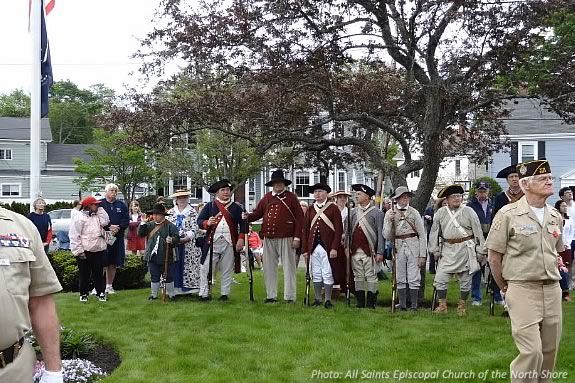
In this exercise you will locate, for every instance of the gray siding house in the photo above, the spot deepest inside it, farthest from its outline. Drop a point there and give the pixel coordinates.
(536, 133)
(56, 163)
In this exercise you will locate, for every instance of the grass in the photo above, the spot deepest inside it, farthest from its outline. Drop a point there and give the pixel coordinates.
(239, 341)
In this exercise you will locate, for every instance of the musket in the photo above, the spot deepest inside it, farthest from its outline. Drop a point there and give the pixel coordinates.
(249, 269)
(434, 300)
(489, 291)
(211, 237)
(306, 300)
(165, 286)
(348, 255)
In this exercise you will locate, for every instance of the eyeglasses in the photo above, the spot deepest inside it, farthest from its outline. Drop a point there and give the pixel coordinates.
(543, 178)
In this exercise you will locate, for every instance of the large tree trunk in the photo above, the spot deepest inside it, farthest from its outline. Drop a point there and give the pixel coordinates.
(433, 149)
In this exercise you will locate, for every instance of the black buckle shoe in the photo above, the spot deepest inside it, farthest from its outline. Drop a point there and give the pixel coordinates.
(328, 305)
(316, 303)
(224, 298)
(152, 298)
(205, 299)
(270, 300)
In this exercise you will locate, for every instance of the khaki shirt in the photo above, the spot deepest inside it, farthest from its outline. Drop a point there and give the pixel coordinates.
(405, 224)
(24, 272)
(529, 249)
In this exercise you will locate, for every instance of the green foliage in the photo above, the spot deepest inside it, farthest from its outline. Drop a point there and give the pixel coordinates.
(493, 190)
(128, 277)
(112, 160)
(15, 104)
(147, 202)
(76, 344)
(222, 155)
(73, 111)
(17, 207)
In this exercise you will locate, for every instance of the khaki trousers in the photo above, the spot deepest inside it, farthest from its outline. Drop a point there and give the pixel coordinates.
(274, 250)
(364, 271)
(536, 320)
(442, 279)
(224, 257)
(22, 368)
(407, 270)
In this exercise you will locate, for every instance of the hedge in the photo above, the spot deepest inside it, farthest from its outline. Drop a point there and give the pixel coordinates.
(24, 208)
(131, 276)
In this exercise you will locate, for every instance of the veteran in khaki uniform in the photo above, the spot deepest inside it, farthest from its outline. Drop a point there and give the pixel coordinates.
(367, 244)
(27, 281)
(457, 241)
(404, 226)
(523, 245)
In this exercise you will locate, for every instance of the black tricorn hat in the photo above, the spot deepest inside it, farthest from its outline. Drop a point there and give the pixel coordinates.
(533, 168)
(449, 190)
(278, 176)
(223, 183)
(505, 172)
(318, 186)
(158, 208)
(363, 188)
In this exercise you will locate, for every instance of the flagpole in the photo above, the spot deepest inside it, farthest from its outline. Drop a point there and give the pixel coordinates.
(35, 100)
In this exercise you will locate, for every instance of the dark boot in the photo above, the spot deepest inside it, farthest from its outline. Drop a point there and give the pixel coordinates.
(414, 295)
(402, 297)
(360, 297)
(371, 299)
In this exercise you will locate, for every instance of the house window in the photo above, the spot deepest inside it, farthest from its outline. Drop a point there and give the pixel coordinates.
(301, 184)
(527, 151)
(341, 181)
(414, 174)
(180, 182)
(5, 154)
(457, 168)
(10, 190)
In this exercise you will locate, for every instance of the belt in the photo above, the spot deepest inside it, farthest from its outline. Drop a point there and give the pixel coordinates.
(458, 240)
(405, 236)
(8, 355)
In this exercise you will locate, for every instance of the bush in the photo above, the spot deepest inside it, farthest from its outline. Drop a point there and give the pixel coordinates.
(147, 202)
(76, 344)
(17, 207)
(131, 276)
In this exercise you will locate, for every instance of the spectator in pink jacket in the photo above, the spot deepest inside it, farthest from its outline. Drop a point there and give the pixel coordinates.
(87, 243)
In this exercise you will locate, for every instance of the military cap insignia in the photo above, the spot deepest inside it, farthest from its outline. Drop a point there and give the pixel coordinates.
(523, 169)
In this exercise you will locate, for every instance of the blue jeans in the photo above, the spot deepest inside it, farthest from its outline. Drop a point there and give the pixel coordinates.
(476, 287)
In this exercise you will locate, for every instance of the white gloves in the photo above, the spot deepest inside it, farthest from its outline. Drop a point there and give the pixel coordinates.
(52, 377)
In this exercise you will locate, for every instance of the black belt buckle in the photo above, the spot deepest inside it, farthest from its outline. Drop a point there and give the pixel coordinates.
(8, 355)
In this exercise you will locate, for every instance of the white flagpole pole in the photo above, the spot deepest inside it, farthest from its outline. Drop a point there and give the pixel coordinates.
(35, 101)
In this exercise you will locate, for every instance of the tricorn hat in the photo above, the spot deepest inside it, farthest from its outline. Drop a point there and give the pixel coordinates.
(278, 176)
(482, 185)
(181, 193)
(363, 188)
(158, 208)
(533, 168)
(505, 172)
(223, 183)
(318, 186)
(449, 190)
(401, 191)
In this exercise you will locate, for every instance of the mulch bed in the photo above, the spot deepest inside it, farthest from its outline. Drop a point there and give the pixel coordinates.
(105, 357)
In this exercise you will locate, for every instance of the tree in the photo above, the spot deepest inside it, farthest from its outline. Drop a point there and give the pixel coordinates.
(72, 113)
(114, 161)
(15, 104)
(277, 64)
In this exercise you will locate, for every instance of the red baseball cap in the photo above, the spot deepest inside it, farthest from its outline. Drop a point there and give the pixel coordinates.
(89, 200)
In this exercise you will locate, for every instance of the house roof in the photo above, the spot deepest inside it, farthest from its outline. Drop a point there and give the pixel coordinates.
(528, 116)
(18, 128)
(64, 154)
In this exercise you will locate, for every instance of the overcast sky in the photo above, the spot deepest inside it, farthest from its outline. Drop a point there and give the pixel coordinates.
(90, 41)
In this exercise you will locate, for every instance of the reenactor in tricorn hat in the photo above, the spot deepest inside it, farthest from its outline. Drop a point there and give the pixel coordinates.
(403, 225)
(222, 218)
(457, 241)
(323, 231)
(367, 245)
(281, 230)
(523, 244)
(513, 194)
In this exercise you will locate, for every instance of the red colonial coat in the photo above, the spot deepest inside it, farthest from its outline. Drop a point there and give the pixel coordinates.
(278, 222)
(331, 239)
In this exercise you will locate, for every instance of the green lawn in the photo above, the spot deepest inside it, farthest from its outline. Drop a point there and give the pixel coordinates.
(239, 341)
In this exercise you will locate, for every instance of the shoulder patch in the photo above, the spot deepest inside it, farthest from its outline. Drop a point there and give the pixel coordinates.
(497, 223)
